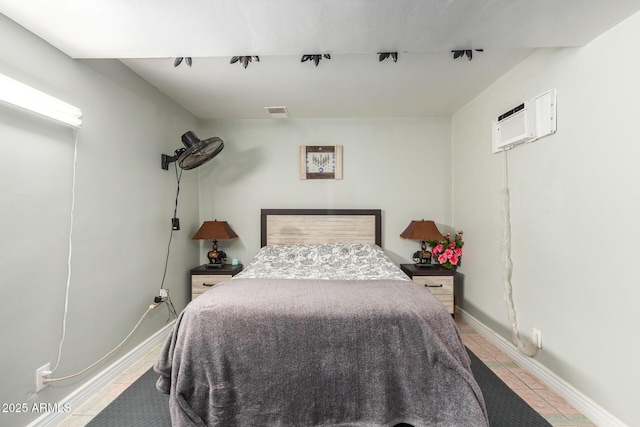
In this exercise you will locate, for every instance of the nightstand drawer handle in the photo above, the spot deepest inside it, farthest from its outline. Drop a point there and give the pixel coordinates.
(208, 284)
(434, 286)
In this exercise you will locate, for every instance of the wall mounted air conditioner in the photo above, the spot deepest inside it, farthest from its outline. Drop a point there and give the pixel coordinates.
(527, 122)
(514, 127)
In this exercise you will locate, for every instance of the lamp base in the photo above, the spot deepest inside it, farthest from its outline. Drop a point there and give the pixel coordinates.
(215, 256)
(217, 265)
(422, 258)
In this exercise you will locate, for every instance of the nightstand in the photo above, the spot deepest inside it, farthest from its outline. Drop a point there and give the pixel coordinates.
(437, 279)
(204, 278)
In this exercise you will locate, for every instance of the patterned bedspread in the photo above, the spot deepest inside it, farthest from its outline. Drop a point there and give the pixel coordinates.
(317, 352)
(331, 261)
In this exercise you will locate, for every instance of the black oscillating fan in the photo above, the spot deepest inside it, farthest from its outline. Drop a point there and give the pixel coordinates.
(196, 151)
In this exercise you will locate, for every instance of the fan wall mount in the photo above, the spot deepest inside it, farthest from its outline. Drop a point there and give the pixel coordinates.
(195, 152)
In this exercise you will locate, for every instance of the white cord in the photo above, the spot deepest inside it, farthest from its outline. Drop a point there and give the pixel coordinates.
(525, 347)
(68, 286)
(50, 380)
(73, 203)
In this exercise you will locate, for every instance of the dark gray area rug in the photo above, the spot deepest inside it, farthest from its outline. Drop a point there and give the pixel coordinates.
(141, 405)
(504, 407)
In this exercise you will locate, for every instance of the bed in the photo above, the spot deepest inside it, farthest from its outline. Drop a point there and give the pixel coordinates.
(319, 329)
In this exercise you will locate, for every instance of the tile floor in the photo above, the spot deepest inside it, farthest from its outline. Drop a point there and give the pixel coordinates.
(551, 406)
(548, 404)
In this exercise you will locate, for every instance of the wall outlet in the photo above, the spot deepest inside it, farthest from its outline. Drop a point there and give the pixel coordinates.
(536, 337)
(42, 373)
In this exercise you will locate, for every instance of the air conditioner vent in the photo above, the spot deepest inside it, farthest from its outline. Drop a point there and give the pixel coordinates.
(514, 127)
(278, 112)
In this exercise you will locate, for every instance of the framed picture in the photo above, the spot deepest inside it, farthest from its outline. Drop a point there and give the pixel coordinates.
(321, 162)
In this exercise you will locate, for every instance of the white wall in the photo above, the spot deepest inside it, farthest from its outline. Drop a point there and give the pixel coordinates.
(574, 213)
(124, 202)
(402, 166)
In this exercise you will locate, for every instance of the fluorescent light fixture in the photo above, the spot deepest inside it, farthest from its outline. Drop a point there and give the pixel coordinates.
(23, 96)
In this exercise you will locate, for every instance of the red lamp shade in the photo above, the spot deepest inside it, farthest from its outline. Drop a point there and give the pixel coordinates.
(422, 230)
(215, 230)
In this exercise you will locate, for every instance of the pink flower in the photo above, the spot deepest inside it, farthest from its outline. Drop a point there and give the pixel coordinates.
(448, 254)
(437, 249)
(454, 260)
(458, 252)
(452, 245)
(442, 259)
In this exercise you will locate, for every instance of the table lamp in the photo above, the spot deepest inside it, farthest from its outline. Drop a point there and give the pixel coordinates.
(423, 231)
(215, 230)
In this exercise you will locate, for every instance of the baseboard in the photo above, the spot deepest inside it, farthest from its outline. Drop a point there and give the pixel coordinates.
(575, 398)
(81, 395)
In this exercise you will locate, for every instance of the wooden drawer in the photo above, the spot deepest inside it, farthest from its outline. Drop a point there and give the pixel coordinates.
(440, 286)
(436, 284)
(201, 283)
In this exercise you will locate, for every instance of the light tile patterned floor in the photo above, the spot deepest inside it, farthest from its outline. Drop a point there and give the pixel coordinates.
(551, 406)
(548, 404)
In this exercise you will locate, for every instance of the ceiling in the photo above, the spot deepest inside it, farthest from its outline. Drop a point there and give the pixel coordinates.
(147, 35)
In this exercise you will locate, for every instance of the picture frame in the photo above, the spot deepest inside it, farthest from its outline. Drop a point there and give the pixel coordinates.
(321, 162)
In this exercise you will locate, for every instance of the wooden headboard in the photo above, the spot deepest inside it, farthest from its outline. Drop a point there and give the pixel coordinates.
(284, 226)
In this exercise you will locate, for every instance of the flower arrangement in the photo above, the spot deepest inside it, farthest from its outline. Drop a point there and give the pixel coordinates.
(448, 252)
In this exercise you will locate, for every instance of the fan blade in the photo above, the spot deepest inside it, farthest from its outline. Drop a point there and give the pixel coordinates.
(304, 58)
(245, 61)
(394, 56)
(326, 55)
(177, 62)
(479, 50)
(382, 56)
(188, 60)
(257, 58)
(469, 54)
(457, 53)
(200, 153)
(316, 59)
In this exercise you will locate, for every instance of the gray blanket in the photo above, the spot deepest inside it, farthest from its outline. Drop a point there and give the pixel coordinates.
(255, 352)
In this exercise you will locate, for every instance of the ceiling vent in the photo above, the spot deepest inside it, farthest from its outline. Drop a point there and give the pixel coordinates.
(278, 112)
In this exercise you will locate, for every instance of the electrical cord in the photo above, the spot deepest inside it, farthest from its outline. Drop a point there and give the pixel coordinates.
(50, 380)
(178, 178)
(175, 213)
(167, 300)
(70, 250)
(524, 346)
(171, 308)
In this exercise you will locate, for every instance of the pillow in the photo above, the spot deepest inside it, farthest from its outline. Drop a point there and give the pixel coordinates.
(347, 261)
